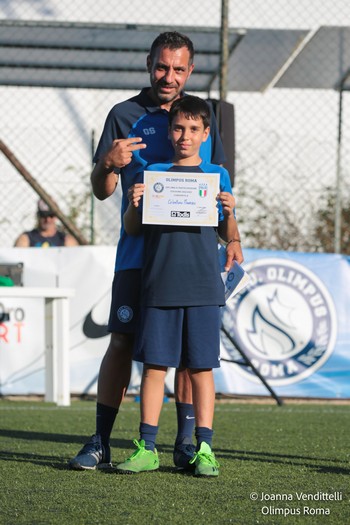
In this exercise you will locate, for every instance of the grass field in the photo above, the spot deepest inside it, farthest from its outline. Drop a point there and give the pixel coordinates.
(279, 465)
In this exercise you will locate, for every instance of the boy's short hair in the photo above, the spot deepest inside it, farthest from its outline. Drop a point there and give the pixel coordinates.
(191, 107)
(172, 40)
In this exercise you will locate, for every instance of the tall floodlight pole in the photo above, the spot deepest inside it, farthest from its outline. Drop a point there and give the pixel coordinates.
(224, 51)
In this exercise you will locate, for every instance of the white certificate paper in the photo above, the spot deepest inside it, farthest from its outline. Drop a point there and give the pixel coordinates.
(234, 280)
(180, 199)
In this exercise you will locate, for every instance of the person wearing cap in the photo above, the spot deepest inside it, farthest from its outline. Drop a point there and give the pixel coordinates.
(46, 234)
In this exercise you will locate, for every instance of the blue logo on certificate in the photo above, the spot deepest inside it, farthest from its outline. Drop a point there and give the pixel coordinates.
(158, 187)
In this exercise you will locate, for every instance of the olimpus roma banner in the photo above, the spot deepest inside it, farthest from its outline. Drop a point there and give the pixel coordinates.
(291, 321)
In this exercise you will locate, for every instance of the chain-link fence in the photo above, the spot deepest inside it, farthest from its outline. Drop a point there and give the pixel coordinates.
(287, 77)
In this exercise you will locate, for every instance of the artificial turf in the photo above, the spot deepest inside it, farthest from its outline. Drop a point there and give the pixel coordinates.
(285, 464)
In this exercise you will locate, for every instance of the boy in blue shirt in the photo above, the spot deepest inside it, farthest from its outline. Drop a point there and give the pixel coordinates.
(182, 292)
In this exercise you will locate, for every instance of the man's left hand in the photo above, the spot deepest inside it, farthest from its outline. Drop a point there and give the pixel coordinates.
(233, 253)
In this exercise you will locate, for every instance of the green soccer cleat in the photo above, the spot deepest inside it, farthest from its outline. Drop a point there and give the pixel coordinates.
(205, 462)
(141, 460)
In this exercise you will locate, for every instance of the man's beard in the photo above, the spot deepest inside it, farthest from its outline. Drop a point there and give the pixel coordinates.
(165, 97)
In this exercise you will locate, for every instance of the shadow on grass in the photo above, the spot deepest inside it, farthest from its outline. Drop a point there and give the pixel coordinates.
(245, 455)
(241, 455)
(54, 462)
(58, 438)
(162, 469)
(314, 463)
(35, 459)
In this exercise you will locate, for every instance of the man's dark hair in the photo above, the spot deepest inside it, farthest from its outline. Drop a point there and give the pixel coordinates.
(172, 40)
(191, 107)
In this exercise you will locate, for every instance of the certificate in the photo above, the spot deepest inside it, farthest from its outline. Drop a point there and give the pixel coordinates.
(235, 279)
(180, 199)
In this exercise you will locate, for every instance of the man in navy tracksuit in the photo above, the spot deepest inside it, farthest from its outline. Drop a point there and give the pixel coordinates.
(136, 135)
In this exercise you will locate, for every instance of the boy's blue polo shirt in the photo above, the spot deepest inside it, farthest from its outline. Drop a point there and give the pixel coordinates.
(139, 116)
(181, 264)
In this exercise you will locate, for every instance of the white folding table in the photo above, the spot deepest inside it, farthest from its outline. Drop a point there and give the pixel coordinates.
(57, 384)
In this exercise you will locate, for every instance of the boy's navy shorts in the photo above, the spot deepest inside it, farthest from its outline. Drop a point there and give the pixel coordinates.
(174, 337)
(125, 305)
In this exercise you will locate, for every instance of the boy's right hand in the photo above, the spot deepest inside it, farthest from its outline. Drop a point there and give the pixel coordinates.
(135, 193)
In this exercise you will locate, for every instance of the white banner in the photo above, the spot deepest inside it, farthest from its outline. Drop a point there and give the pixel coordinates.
(291, 321)
(22, 344)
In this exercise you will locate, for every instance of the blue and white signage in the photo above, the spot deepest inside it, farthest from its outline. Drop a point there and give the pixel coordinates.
(292, 321)
(289, 322)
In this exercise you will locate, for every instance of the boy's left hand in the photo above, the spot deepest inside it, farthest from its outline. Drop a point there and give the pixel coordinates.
(228, 202)
(135, 193)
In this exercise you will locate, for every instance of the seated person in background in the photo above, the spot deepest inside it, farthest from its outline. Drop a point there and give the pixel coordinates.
(46, 233)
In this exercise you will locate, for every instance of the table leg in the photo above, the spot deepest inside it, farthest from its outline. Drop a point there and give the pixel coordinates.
(57, 384)
(62, 351)
(50, 358)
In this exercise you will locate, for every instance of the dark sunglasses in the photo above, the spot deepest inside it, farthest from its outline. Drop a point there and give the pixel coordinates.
(44, 214)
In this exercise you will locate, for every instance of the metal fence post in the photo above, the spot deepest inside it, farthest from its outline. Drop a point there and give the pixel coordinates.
(223, 50)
